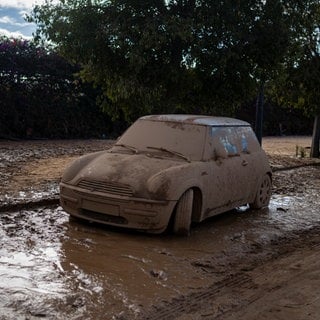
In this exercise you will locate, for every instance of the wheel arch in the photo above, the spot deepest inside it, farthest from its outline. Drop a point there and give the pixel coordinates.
(197, 202)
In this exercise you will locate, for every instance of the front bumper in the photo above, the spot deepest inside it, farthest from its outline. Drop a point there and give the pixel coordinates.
(129, 212)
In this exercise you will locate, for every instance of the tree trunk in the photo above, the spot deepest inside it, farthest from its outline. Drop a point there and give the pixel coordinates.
(314, 153)
(259, 113)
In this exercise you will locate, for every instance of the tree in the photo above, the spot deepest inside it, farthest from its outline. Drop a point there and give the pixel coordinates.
(299, 83)
(168, 56)
(39, 96)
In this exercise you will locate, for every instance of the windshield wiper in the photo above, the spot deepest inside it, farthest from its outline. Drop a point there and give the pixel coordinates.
(171, 152)
(135, 150)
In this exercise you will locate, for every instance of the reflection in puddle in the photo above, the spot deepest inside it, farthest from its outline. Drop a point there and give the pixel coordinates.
(294, 213)
(54, 268)
(29, 263)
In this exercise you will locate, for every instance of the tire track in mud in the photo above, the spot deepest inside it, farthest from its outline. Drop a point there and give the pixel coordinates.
(238, 285)
(194, 301)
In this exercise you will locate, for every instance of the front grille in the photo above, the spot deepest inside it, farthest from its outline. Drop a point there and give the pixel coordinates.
(106, 187)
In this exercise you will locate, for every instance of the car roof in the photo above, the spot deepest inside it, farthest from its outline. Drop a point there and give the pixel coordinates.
(197, 119)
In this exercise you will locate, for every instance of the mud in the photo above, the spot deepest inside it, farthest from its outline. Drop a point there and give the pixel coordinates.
(31, 170)
(240, 265)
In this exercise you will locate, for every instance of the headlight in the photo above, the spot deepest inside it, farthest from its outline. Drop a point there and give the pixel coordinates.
(158, 186)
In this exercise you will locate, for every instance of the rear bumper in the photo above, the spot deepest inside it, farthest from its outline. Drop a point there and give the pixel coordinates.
(128, 212)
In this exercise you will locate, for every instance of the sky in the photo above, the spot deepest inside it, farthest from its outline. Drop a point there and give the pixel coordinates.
(12, 21)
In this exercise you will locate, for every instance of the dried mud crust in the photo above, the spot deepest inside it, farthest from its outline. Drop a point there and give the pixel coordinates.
(31, 170)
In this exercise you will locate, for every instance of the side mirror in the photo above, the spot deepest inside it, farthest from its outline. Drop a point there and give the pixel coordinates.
(219, 152)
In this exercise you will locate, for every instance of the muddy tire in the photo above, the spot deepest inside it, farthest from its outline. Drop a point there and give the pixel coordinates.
(182, 219)
(263, 193)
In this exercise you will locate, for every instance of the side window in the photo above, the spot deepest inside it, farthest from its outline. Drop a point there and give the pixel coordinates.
(244, 142)
(249, 142)
(225, 141)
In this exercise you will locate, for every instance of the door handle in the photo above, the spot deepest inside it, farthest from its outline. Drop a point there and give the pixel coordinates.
(244, 163)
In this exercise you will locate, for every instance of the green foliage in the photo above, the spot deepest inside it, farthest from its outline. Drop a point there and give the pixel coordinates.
(39, 96)
(298, 85)
(299, 82)
(169, 56)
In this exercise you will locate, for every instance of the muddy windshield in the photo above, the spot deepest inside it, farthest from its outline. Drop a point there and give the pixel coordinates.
(152, 136)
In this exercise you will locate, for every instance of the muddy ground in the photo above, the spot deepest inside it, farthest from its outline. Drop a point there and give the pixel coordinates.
(244, 264)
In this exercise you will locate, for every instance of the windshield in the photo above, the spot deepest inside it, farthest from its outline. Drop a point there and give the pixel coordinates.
(148, 136)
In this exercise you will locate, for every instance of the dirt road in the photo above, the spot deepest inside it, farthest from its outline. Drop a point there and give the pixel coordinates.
(240, 265)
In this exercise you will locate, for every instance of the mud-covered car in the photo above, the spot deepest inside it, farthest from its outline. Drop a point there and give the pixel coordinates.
(169, 170)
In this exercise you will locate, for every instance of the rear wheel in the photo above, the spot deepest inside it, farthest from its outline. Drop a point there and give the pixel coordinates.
(182, 219)
(263, 193)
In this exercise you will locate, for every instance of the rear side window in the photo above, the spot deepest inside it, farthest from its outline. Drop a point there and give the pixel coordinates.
(234, 140)
(226, 138)
(248, 140)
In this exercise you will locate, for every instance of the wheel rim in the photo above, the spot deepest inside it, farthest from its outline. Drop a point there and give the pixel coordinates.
(265, 191)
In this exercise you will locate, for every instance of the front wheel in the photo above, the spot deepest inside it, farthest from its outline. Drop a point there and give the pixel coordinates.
(182, 219)
(263, 195)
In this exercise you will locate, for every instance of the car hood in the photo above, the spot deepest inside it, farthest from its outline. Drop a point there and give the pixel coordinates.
(125, 169)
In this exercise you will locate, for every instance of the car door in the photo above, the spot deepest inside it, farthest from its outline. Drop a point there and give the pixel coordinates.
(250, 153)
(228, 177)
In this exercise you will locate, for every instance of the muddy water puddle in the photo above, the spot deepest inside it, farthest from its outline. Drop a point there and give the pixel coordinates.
(54, 268)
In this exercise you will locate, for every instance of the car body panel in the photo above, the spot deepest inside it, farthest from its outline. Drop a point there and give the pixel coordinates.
(138, 182)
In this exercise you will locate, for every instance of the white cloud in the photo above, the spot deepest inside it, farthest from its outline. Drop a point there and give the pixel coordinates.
(16, 34)
(6, 19)
(12, 21)
(12, 17)
(20, 4)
